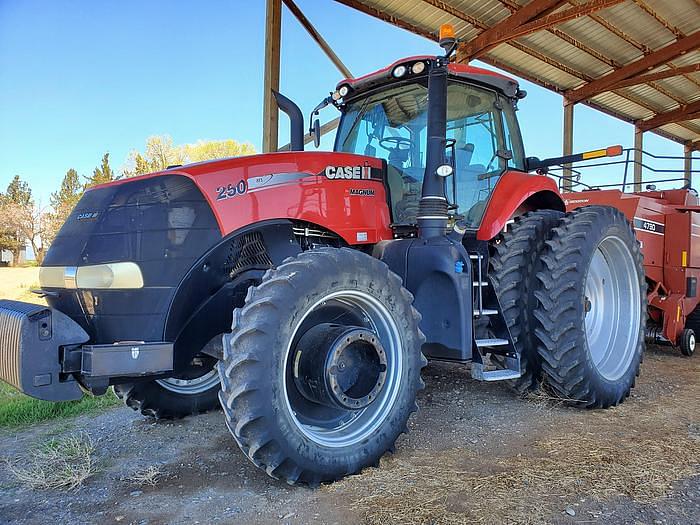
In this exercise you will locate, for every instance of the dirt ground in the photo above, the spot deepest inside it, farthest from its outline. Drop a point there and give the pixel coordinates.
(475, 454)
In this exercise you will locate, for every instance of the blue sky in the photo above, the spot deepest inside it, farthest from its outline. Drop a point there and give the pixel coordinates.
(79, 78)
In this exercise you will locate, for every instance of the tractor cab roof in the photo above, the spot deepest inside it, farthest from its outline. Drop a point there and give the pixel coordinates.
(485, 77)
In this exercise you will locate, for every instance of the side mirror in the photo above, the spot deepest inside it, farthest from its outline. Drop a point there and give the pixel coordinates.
(316, 131)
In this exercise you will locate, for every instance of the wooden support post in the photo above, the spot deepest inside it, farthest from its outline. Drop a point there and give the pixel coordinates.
(273, 37)
(568, 143)
(638, 159)
(688, 164)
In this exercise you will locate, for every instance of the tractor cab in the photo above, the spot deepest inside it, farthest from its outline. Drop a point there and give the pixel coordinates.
(386, 114)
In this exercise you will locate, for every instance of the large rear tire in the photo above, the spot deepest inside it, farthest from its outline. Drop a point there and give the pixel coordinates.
(592, 307)
(514, 266)
(306, 428)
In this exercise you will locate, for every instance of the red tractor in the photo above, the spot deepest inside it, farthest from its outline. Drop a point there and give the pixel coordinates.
(305, 290)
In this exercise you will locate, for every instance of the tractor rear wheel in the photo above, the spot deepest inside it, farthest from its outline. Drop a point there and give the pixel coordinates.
(591, 315)
(514, 265)
(321, 370)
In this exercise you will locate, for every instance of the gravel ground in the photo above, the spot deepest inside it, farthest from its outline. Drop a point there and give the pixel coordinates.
(475, 454)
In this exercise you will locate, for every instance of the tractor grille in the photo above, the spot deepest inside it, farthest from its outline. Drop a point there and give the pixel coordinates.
(247, 251)
(11, 324)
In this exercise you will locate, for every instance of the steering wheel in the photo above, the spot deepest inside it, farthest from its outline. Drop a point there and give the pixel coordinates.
(395, 143)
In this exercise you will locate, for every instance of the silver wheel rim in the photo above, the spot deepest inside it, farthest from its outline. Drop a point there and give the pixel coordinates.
(194, 386)
(691, 343)
(612, 308)
(361, 424)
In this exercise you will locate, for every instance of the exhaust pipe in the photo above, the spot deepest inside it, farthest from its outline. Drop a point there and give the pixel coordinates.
(296, 121)
(432, 208)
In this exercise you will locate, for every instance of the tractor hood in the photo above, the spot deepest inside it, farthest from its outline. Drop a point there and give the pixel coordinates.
(243, 190)
(121, 255)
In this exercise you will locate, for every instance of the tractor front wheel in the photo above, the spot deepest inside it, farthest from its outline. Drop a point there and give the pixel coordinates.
(592, 307)
(321, 370)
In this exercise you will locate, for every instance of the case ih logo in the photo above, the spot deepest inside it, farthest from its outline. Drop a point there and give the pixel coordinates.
(88, 216)
(348, 172)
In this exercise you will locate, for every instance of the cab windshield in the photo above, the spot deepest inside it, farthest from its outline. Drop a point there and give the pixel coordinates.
(392, 124)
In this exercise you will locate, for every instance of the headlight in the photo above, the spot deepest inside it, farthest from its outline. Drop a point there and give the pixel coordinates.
(106, 276)
(344, 90)
(399, 71)
(418, 68)
(114, 276)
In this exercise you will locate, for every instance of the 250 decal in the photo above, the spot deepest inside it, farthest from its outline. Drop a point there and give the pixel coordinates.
(231, 190)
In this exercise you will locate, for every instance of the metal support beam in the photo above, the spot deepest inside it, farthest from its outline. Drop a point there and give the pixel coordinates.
(653, 77)
(568, 144)
(273, 38)
(325, 47)
(688, 163)
(494, 36)
(500, 33)
(638, 148)
(688, 112)
(651, 60)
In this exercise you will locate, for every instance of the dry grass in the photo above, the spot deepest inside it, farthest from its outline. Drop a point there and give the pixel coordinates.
(150, 475)
(638, 451)
(17, 283)
(60, 463)
(424, 489)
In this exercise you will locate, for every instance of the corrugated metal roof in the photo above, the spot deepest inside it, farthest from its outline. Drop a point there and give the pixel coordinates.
(607, 37)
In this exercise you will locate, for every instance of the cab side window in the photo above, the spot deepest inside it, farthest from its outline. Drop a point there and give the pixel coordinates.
(474, 122)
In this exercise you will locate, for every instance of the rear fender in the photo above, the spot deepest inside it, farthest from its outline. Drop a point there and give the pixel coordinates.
(515, 193)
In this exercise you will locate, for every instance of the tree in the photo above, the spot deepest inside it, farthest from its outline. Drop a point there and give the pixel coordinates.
(216, 149)
(160, 153)
(10, 239)
(21, 220)
(19, 192)
(62, 203)
(102, 174)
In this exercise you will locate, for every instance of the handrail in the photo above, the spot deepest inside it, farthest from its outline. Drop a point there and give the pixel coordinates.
(574, 179)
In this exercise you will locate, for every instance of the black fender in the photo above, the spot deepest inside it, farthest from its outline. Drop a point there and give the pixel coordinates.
(203, 304)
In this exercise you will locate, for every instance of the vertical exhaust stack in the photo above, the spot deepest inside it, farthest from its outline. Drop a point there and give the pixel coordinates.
(432, 209)
(296, 121)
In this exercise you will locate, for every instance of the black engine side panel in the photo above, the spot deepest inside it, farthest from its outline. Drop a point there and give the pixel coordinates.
(437, 272)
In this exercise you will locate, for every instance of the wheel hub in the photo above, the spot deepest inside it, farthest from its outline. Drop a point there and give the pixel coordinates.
(611, 307)
(340, 366)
